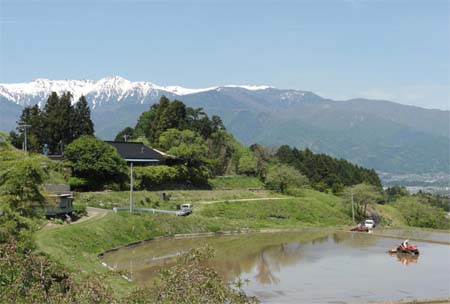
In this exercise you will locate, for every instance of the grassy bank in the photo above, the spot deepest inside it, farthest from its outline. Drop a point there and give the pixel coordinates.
(235, 182)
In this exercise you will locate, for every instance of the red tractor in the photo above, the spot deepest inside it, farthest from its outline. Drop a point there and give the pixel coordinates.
(406, 248)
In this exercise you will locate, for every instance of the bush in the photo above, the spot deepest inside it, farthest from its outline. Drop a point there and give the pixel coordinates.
(213, 228)
(79, 210)
(154, 177)
(78, 182)
(198, 176)
(282, 177)
(57, 221)
(191, 280)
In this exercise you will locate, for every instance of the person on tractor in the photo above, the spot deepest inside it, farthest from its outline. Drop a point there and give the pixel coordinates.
(405, 244)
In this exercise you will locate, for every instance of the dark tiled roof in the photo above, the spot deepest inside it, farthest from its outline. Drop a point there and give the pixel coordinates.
(136, 151)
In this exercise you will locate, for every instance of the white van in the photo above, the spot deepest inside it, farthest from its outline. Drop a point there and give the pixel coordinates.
(369, 223)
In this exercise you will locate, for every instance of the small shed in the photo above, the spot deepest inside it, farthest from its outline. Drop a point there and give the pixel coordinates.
(60, 198)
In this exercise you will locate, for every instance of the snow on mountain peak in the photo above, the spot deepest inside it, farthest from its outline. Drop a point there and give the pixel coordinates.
(185, 91)
(111, 87)
(249, 87)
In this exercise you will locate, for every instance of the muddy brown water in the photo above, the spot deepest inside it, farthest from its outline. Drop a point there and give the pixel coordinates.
(304, 267)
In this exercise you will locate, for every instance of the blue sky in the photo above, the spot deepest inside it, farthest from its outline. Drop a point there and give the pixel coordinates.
(396, 50)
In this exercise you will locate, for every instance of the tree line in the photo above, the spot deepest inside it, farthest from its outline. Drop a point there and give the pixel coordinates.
(53, 127)
(324, 171)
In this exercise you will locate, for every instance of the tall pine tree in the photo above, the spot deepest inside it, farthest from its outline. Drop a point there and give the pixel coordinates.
(56, 126)
(32, 117)
(81, 119)
(57, 118)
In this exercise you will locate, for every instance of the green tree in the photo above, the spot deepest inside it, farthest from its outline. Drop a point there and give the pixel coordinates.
(32, 117)
(57, 125)
(396, 192)
(363, 195)
(263, 156)
(126, 134)
(95, 160)
(19, 185)
(144, 124)
(167, 114)
(247, 163)
(221, 147)
(57, 118)
(81, 119)
(281, 177)
(185, 144)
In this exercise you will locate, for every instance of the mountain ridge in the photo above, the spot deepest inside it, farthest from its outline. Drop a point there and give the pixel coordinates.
(384, 135)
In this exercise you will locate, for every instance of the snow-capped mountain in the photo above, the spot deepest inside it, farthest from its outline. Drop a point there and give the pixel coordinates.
(107, 89)
(383, 135)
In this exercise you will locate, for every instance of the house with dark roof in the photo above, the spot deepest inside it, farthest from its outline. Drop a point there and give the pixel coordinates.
(138, 153)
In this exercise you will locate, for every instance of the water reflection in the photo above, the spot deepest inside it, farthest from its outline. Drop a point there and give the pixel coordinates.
(265, 254)
(293, 267)
(405, 258)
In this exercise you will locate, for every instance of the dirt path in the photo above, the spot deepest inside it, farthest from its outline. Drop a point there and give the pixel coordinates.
(243, 200)
(93, 214)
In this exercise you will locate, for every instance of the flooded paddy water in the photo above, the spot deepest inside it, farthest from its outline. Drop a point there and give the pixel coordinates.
(314, 266)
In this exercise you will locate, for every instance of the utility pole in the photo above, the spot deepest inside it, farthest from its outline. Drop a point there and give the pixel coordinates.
(353, 208)
(131, 188)
(25, 144)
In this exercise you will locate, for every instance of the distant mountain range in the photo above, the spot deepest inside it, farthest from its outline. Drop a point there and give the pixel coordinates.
(384, 135)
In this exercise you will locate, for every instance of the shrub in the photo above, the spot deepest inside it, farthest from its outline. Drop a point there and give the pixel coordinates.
(79, 210)
(191, 280)
(78, 182)
(154, 177)
(213, 228)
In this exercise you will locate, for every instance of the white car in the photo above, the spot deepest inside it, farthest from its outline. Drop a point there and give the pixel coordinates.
(369, 223)
(185, 209)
